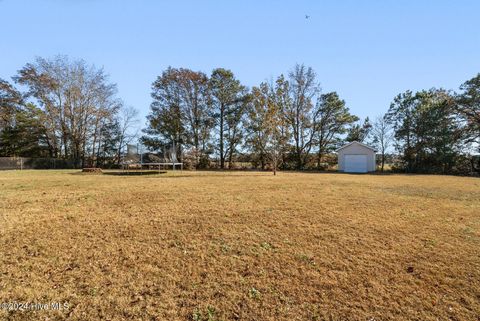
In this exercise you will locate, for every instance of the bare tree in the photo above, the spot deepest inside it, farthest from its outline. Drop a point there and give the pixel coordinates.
(128, 120)
(230, 101)
(181, 112)
(75, 98)
(382, 136)
(275, 129)
(301, 112)
(266, 124)
(197, 112)
(255, 124)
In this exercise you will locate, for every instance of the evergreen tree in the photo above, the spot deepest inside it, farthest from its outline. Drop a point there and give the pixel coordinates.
(333, 119)
(468, 108)
(359, 133)
(427, 132)
(21, 125)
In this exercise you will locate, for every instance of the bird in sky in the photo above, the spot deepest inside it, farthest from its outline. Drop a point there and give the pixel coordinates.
(307, 16)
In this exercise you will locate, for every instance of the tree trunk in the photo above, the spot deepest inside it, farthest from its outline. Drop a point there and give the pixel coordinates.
(319, 159)
(196, 144)
(119, 152)
(299, 159)
(230, 158)
(222, 158)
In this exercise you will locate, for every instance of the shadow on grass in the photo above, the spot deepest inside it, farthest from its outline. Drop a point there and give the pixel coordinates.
(120, 173)
(242, 173)
(134, 173)
(171, 174)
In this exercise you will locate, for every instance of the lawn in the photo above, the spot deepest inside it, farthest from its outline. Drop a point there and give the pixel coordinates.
(239, 246)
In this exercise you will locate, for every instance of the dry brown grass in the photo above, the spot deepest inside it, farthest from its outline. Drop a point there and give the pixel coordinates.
(240, 246)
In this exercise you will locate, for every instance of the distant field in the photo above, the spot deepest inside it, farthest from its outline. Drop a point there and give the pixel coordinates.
(240, 246)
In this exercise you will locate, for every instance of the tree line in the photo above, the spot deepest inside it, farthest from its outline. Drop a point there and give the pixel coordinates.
(290, 123)
(69, 109)
(275, 124)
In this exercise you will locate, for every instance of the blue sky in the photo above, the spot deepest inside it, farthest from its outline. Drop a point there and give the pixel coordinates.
(367, 51)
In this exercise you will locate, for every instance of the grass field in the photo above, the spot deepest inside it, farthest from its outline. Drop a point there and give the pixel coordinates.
(240, 246)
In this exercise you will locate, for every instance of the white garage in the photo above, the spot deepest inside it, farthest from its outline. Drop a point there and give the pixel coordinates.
(356, 157)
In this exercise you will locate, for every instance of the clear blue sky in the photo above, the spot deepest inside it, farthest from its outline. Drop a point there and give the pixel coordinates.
(367, 51)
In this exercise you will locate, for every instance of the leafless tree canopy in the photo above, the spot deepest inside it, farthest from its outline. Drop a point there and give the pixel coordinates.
(77, 101)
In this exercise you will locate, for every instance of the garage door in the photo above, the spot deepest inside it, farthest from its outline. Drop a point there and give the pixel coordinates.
(356, 163)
